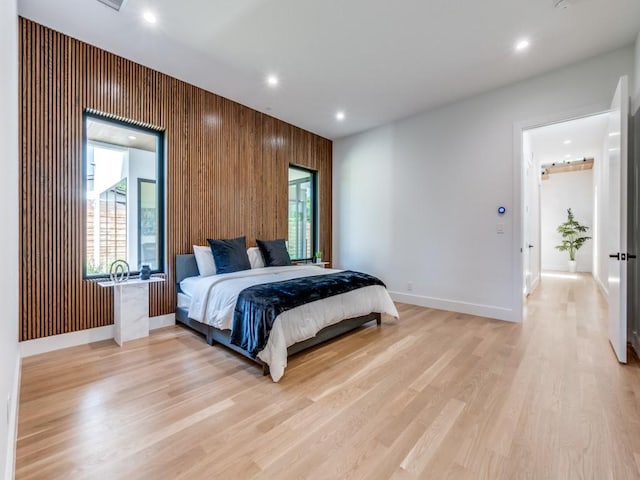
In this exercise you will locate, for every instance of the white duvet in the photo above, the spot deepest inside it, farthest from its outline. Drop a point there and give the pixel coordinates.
(213, 300)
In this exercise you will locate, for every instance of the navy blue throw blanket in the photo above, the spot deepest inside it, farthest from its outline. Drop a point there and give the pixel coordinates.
(258, 306)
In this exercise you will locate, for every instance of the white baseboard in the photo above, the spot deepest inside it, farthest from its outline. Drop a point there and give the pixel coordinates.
(535, 284)
(555, 268)
(83, 337)
(162, 321)
(565, 269)
(12, 430)
(65, 340)
(602, 287)
(489, 311)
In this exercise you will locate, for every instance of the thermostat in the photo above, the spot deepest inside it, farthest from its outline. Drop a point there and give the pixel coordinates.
(501, 210)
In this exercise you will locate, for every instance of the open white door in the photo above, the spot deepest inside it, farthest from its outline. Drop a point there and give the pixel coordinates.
(617, 241)
(531, 217)
(528, 280)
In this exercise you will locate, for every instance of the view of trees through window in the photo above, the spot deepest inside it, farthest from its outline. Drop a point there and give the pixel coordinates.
(302, 213)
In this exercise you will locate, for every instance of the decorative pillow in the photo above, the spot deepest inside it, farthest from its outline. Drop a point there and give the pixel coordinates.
(274, 252)
(204, 260)
(255, 257)
(230, 255)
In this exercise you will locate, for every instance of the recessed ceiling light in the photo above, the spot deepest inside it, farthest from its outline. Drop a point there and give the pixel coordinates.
(340, 116)
(272, 81)
(614, 134)
(522, 45)
(132, 137)
(567, 156)
(150, 17)
(567, 142)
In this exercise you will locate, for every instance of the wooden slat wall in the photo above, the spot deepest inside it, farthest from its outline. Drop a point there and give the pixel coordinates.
(226, 172)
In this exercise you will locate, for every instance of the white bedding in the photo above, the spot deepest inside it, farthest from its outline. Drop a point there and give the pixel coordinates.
(184, 301)
(213, 300)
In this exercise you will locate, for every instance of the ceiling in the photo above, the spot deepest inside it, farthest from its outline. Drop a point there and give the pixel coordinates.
(377, 60)
(587, 137)
(111, 133)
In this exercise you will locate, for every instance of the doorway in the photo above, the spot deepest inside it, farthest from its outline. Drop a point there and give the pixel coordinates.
(564, 181)
(611, 205)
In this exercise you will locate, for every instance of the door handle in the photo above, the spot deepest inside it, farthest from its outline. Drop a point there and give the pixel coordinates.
(616, 255)
(630, 256)
(530, 246)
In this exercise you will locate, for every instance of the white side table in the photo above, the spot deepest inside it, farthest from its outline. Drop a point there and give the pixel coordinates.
(130, 308)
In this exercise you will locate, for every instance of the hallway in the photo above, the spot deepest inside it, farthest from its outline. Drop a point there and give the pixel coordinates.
(591, 401)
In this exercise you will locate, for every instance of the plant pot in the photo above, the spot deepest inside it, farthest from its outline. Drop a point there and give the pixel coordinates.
(572, 266)
(318, 259)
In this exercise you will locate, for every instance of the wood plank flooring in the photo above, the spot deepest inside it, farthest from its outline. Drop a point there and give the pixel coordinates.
(433, 395)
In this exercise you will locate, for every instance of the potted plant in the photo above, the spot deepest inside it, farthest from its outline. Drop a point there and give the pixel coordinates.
(573, 238)
(319, 256)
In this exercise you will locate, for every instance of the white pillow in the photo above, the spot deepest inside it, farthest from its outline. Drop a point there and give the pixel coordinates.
(255, 257)
(204, 259)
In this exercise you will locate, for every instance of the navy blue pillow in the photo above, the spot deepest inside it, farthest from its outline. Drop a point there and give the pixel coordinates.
(230, 255)
(274, 252)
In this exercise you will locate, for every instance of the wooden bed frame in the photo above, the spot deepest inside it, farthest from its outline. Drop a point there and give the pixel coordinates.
(186, 267)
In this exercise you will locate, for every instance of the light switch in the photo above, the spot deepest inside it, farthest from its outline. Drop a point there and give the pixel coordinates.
(500, 228)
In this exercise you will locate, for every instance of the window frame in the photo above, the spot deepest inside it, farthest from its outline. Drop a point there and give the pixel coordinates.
(315, 202)
(160, 188)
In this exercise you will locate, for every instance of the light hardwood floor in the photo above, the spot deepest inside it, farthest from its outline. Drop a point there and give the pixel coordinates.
(434, 395)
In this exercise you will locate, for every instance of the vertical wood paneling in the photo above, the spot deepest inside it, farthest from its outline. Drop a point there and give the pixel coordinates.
(226, 172)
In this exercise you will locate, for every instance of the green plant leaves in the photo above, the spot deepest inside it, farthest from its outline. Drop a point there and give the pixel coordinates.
(571, 231)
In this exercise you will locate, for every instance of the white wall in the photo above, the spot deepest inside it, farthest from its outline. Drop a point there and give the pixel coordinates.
(415, 200)
(562, 191)
(9, 358)
(600, 215)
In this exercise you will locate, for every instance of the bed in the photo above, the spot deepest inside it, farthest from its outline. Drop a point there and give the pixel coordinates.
(206, 305)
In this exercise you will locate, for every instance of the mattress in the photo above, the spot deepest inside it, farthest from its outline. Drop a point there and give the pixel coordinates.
(184, 300)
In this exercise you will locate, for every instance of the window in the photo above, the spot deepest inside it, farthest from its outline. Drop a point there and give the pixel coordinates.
(124, 196)
(303, 234)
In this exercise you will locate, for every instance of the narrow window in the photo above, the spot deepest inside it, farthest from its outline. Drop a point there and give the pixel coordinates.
(303, 233)
(124, 196)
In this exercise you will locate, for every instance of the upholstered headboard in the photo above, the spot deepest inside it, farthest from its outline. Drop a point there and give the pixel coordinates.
(186, 266)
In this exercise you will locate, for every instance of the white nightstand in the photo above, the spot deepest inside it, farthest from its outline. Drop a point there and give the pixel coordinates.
(130, 308)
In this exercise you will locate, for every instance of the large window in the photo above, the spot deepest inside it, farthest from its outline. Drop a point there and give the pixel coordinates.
(303, 235)
(124, 192)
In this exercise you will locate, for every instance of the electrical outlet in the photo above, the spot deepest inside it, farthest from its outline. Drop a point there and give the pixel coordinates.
(410, 287)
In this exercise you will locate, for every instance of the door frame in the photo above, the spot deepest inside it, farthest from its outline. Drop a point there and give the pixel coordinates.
(519, 189)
